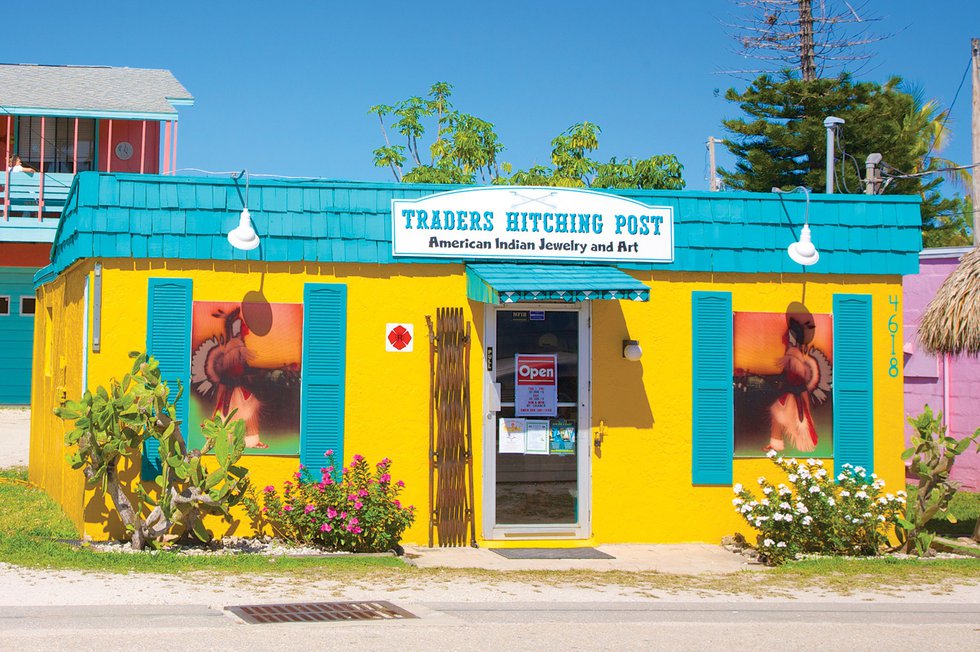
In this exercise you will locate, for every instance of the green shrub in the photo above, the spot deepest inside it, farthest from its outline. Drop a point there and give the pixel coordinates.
(819, 514)
(350, 508)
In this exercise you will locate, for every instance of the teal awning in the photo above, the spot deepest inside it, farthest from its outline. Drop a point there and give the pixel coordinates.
(511, 283)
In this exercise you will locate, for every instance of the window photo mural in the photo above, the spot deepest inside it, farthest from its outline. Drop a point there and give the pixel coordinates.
(246, 357)
(783, 365)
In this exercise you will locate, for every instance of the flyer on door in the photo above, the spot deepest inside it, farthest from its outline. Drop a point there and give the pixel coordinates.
(537, 437)
(536, 393)
(512, 436)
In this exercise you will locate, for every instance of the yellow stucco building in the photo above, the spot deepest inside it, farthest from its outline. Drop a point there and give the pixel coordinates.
(629, 348)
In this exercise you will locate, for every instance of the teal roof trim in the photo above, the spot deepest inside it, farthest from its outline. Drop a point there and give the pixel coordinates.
(514, 283)
(157, 216)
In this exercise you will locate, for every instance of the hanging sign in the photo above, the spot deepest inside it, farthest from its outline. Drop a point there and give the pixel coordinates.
(536, 384)
(532, 223)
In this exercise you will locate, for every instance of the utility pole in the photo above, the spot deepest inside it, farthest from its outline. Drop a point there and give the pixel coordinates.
(975, 172)
(808, 63)
(872, 176)
(714, 183)
(831, 123)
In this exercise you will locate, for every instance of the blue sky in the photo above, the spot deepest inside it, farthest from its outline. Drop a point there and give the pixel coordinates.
(284, 88)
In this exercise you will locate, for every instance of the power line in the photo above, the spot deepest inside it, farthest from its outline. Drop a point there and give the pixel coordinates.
(236, 173)
(950, 109)
(927, 172)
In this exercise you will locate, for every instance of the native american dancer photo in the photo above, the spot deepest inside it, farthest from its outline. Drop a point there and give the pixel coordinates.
(783, 381)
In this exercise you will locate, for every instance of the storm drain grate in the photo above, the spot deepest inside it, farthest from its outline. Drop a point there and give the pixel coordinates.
(318, 612)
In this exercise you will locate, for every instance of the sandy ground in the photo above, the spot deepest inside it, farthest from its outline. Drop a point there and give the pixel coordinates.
(20, 586)
(15, 432)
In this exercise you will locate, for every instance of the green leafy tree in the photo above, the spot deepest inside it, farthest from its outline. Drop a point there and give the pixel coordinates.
(465, 145)
(467, 150)
(781, 141)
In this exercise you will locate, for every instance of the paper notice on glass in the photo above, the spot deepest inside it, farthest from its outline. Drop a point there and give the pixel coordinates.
(511, 437)
(538, 434)
(536, 385)
(562, 437)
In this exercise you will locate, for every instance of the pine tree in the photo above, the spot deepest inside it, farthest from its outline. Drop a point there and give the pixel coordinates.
(782, 140)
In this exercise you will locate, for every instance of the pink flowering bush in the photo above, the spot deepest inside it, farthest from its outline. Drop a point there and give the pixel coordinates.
(818, 513)
(352, 508)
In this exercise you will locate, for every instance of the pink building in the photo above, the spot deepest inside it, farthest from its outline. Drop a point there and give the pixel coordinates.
(947, 384)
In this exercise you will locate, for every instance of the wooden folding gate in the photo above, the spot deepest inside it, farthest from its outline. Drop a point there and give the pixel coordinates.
(451, 507)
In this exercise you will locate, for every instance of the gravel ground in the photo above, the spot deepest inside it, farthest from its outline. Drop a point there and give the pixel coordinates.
(20, 586)
(15, 434)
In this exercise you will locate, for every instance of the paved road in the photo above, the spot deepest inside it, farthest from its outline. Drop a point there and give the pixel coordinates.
(521, 625)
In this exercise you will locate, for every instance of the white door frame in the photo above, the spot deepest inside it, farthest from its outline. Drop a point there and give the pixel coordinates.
(491, 402)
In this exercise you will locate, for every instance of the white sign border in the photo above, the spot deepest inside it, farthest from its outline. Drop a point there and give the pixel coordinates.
(532, 260)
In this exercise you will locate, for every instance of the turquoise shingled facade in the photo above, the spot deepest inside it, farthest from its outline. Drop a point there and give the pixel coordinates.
(151, 216)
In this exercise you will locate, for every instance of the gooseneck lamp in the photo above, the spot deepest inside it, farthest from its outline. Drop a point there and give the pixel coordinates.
(802, 252)
(244, 236)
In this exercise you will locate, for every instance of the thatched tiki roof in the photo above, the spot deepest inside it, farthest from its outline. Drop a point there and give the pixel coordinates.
(951, 323)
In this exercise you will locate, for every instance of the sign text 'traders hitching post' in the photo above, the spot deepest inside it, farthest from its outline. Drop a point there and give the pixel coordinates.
(538, 223)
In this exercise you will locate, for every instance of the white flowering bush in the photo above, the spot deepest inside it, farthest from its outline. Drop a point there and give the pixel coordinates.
(817, 513)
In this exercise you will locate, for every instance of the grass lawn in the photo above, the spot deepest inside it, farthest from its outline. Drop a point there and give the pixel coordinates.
(31, 523)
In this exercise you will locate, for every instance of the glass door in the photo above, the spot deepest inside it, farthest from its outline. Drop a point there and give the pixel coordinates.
(536, 431)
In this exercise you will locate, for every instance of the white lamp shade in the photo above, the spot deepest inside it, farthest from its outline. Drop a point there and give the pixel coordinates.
(803, 252)
(243, 236)
(632, 350)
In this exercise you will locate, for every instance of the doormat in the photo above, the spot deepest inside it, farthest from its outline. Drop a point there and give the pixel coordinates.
(551, 553)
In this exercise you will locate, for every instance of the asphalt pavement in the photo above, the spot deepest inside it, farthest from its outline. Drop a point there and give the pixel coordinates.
(504, 626)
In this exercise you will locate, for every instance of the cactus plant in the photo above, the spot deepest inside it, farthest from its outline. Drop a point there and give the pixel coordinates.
(112, 425)
(932, 456)
(193, 490)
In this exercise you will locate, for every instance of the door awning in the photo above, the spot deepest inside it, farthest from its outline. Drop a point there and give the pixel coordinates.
(512, 283)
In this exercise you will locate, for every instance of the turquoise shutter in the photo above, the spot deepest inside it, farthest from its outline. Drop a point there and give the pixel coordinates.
(324, 364)
(713, 415)
(168, 339)
(853, 383)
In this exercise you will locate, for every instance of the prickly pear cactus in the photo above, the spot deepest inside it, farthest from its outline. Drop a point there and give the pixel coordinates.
(111, 426)
(197, 488)
(931, 458)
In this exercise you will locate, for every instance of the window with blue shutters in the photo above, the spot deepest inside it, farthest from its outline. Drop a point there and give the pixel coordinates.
(324, 365)
(168, 339)
(853, 383)
(712, 419)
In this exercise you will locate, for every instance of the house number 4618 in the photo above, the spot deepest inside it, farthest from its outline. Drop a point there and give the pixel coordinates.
(893, 330)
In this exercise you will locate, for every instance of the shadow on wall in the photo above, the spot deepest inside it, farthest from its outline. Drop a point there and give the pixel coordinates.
(619, 396)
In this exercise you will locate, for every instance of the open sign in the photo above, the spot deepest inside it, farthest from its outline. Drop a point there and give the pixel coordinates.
(537, 372)
(536, 391)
